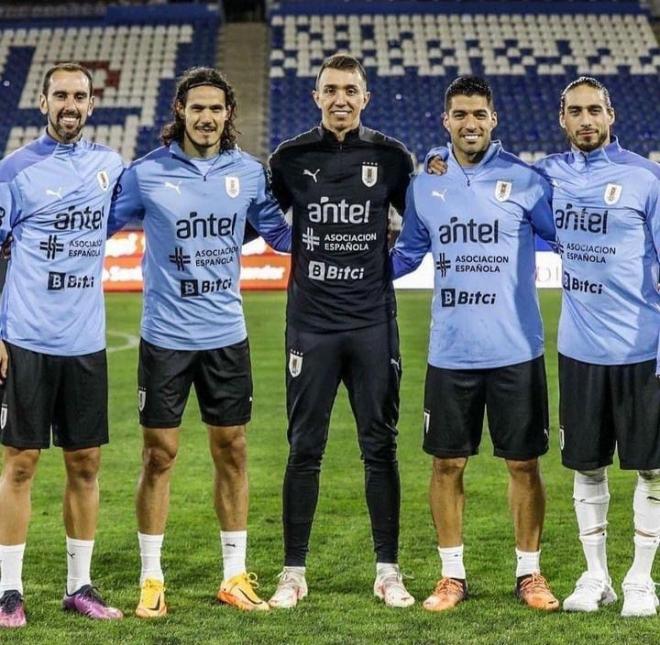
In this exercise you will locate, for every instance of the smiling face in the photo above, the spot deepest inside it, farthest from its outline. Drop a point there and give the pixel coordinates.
(341, 95)
(470, 121)
(204, 116)
(586, 118)
(67, 105)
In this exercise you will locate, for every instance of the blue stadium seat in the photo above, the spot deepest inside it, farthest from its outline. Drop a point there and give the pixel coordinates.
(134, 63)
(529, 52)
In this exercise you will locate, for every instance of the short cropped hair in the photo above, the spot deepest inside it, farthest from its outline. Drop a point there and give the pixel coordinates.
(66, 67)
(585, 80)
(468, 86)
(344, 62)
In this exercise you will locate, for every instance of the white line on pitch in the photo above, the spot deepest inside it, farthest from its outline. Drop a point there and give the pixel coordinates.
(130, 341)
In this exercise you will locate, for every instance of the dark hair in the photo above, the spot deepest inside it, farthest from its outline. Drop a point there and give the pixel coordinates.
(344, 62)
(66, 67)
(197, 77)
(468, 86)
(591, 82)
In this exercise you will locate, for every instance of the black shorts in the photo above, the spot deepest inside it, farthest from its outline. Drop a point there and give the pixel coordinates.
(222, 378)
(65, 395)
(606, 406)
(368, 362)
(515, 398)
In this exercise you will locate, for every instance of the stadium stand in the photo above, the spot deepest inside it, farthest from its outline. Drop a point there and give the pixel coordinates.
(529, 52)
(135, 55)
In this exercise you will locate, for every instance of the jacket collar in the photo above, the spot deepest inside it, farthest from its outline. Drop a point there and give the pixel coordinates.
(51, 146)
(604, 153)
(327, 136)
(494, 149)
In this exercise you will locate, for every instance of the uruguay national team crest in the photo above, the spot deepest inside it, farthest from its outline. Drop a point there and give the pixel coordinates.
(612, 193)
(3, 416)
(233, 186)
(369, 174)
(103, 179)
(503, 190)
(295, 362)
(142, 398)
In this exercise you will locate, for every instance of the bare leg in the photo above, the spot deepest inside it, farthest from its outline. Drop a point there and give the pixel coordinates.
(229, 451)
(527, 502)
(153, 495)
(81, 494)
(15, 500)
(447, 500)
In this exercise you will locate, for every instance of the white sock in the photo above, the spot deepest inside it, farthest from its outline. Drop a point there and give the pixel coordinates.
(592, 499)
(386, 568)
(452, 562)
(595, 553)
(645, 548)
(78, 563)
(11, 567)
(234, 547)
(646, 515)
(527, 563)
(150, 548)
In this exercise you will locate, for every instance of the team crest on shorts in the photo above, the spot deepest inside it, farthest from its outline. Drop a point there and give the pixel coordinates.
(3, 416)
(427, 420)
(142, 398)
(103, 179)
(503, 190)
(232, 186)
(369, 174)
(612, 193)
(295, 362)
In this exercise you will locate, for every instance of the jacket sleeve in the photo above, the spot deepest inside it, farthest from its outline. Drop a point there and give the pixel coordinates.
(653, 223)
(277, 183)
(407, 168)
(540, 214)
(9, 209)
(267, 218)
(414, 241)
(126, 201)
(438, 151)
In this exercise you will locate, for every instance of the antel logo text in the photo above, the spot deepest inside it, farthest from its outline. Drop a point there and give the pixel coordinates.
(327, 212)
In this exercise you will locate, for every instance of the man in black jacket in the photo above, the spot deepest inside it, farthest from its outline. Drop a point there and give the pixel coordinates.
(340, 180)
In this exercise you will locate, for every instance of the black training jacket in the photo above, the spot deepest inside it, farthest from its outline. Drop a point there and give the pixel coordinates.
(340, 194)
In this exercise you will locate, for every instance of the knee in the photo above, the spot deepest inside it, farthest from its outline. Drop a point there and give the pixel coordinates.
(83, 466)
(20, 468)
(305, 459)
(449, 468)
(527, 469)
(158, 460)
(230, 449)
(646, 503)
(379, 455)
(650, 476)
(594, 477)
(591, 497)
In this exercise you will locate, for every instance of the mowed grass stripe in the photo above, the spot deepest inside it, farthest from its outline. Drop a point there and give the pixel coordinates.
(340, 607)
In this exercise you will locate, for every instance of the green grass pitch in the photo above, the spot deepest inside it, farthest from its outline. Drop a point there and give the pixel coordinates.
(340, 607)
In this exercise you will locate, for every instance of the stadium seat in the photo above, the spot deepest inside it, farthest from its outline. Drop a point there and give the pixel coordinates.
(131, 65)
(528, 56)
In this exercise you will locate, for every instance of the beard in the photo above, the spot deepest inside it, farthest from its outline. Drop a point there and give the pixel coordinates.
(65, 133)
(598, 140)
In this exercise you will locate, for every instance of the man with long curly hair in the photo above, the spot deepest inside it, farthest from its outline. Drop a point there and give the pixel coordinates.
(195, 194)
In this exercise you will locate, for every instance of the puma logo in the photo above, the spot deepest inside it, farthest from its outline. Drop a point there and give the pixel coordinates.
(311, 174)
